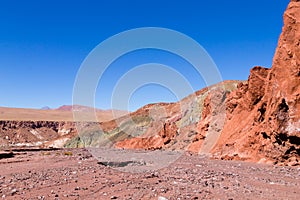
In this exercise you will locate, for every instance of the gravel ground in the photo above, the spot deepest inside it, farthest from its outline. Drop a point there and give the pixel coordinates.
(76, 174)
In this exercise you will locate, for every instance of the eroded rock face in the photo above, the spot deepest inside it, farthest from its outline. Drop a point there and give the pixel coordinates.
(35, 133)
(185, 125)
(264, 113)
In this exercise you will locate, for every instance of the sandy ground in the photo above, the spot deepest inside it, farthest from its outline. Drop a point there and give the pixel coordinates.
(76, 174)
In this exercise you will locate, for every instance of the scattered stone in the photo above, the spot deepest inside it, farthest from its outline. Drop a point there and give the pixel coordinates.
(162, 198)
(77, 188)
(13, 191)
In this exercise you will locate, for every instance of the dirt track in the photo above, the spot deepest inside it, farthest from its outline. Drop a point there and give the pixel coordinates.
(75, 174)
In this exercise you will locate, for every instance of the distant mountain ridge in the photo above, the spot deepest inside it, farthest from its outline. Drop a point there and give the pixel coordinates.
(46, 108)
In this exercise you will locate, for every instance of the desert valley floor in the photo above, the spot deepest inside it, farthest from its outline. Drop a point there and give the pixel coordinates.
(76, 174)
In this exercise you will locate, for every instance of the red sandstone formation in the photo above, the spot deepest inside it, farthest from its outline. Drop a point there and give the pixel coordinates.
(264, 113)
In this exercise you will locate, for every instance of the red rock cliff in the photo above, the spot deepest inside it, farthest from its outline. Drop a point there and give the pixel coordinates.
(263, 115)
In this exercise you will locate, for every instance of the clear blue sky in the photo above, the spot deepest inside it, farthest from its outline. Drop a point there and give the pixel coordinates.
(43, 43)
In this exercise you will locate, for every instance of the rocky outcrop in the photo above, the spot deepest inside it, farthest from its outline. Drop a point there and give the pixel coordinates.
(169, 125)
(263, 115)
